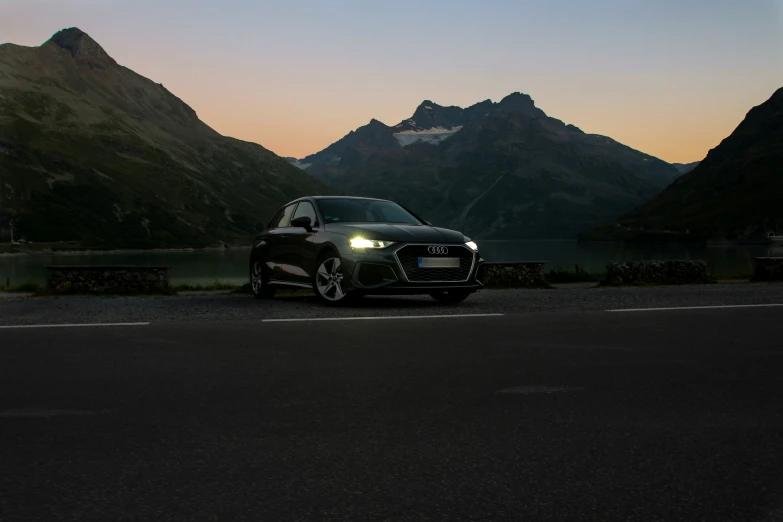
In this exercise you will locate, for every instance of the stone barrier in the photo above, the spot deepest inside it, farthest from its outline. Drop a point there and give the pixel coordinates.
(524, 274)
(107, 279)
(768, 269)
(657, 273)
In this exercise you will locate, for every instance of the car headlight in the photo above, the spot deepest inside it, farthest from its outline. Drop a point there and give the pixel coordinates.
(359, 243)
(472, 245)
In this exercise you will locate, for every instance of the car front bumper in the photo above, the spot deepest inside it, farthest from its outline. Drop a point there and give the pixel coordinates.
(382, 272)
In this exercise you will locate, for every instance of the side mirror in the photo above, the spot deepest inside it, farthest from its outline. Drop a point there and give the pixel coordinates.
(302, 222)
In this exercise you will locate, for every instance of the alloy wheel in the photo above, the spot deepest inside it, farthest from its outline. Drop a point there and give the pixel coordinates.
(329, 280)
(259, 283)
(257, 277)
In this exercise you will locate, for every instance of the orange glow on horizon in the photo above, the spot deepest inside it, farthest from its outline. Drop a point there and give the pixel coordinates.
(671, 135)
(668, 78)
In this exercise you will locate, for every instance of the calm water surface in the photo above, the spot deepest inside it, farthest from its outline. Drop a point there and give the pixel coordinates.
(231, 265)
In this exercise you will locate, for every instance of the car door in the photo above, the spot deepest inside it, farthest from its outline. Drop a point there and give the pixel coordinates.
(266, 240)
(278, 248)
(302, 244)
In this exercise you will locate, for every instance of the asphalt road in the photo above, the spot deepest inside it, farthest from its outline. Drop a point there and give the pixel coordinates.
(222, 308)
(667, 415)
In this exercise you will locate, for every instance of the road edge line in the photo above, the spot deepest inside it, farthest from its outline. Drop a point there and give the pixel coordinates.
(377, 318)
(67, 325)
(716, 307)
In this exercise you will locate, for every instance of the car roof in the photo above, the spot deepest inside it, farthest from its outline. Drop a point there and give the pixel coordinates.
(348, 197)
(319, 198)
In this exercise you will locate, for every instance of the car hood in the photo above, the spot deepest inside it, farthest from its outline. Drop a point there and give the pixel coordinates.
(398, 232)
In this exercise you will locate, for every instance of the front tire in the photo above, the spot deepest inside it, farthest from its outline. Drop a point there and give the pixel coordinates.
(450, 297)
(259, 282)
(328, 280)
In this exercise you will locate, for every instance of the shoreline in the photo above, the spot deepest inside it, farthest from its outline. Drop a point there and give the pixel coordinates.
(48, 252)
(711, 243)
(86, 252)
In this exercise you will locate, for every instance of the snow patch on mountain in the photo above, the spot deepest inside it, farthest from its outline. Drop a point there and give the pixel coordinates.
(410, 122)
(433, 136)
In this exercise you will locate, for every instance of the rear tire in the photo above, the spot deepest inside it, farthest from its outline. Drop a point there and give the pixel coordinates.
(450, 296)
(259, 281)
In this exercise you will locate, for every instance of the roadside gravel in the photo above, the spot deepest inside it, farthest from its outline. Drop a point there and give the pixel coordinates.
(220, 307)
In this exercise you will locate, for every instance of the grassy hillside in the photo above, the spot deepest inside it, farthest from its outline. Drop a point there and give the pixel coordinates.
(94, 153)
(736, 193)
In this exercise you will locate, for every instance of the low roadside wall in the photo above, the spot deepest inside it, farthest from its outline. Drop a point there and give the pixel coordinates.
(657, 273)
(525, 274)
(768, 269)
(107, 279)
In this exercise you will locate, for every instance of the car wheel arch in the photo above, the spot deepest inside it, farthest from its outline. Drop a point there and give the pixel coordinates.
(257, 253)
(325, 248)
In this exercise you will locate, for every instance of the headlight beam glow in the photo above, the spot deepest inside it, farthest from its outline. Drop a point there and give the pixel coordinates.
(360, 243)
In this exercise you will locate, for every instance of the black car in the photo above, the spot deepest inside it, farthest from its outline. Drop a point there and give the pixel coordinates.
(344, 246)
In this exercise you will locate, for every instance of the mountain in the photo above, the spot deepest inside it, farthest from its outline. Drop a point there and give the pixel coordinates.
(92, 152)
(735, 193)
(500, 170)
(684, 168)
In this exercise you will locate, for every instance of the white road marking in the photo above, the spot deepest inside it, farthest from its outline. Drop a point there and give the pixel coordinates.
(527, 390)
(377, 318)
(694, 308)
(69, 325)
(41, 413)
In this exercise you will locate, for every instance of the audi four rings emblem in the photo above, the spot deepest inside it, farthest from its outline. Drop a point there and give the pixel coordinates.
(438, 250)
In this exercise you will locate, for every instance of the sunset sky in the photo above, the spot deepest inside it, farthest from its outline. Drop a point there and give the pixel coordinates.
(670, 78)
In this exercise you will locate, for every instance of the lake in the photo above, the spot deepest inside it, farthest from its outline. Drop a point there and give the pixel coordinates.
(230, 266)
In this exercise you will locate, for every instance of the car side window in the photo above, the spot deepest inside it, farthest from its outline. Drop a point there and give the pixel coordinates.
(285, 219)
(305, 209)
(275, 220)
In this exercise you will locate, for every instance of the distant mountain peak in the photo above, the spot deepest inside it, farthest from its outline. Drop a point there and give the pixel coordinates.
(79, 44)
(225, 188)
(517, 96)
(684, 168)
(520, 102)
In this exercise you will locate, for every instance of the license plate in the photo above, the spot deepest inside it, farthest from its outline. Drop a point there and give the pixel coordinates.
(438, 262)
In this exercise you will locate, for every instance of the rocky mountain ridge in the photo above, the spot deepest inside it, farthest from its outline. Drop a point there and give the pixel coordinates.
(498, 170)
(94, 153)
(735, 193)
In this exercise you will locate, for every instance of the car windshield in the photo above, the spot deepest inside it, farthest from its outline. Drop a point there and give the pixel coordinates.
(345, 210)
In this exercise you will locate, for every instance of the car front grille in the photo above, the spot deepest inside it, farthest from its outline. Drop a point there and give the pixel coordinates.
(409, 259)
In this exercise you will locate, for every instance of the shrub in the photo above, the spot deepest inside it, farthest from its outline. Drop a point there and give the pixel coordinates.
(577, 275)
